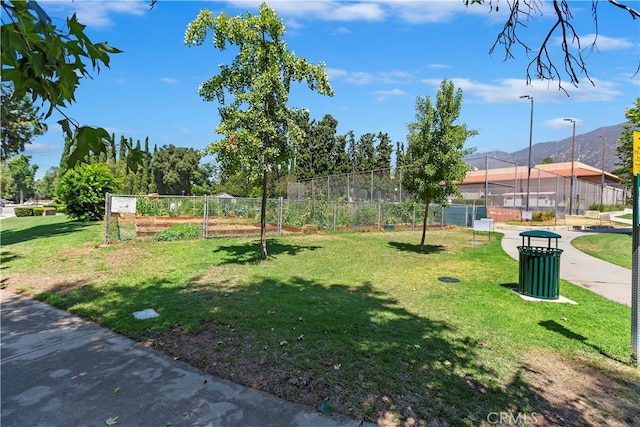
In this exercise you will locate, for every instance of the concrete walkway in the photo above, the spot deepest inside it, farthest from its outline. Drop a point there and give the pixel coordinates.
(601, 277)
(60, 370)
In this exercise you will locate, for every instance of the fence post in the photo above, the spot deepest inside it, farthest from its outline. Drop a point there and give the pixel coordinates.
(335, 216)
(107, 217)
(205, 216)
(280, 203)
(466, 215)
(371, 188)
(414, 215)
(379, 215)
(486, 180)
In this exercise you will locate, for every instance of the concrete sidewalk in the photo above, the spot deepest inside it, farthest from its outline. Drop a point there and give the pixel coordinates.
(601, 277)
(60, 370)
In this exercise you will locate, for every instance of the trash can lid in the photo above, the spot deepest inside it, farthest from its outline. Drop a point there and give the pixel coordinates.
(540, 233)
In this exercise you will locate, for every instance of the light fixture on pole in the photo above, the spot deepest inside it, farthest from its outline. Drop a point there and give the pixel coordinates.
(530, 142)
(573, 149)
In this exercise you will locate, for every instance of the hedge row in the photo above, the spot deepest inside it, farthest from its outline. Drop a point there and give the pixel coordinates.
(34, 211)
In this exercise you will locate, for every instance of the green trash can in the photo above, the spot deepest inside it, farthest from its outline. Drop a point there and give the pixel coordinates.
(539, 274)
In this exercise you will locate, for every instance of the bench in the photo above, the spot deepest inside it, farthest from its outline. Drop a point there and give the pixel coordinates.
(605, 219)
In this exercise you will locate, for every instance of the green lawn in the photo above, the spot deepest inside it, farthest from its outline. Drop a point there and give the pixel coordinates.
(615, 248)
(358, 318)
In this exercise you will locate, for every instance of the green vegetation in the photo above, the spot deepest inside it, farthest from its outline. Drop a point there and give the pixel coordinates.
(83, 191)
(362, 316)
(180, 232)
(615, 248)
(608, 208)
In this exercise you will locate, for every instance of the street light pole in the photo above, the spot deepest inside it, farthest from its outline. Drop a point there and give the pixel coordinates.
(604, 141)
(530, 142)
(573, 149)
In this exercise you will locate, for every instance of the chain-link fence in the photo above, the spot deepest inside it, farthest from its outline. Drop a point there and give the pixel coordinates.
(130, 217)
(490, 182)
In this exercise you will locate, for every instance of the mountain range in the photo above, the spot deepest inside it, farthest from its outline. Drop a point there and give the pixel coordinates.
(588, 150)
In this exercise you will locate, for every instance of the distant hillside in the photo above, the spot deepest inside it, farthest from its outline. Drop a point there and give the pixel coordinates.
(588, 150)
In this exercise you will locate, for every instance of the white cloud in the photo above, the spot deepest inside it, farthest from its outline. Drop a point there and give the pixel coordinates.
(371, 11)
(561, 123)
(117, 131)
(364, 78)
(438, 66)
(408, 11)
(603, 43)
(169, 80)
(381, 95)
(39, 149)
(97, 13)
(510, 90)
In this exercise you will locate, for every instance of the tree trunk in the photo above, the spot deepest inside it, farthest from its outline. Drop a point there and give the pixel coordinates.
(263, 215)
(424, 226)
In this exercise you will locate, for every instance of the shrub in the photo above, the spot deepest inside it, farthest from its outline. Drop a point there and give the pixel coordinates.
(23, 211)
(58, 207)
(83, 191)
(607, 208)
(543, 215)
(180, 232)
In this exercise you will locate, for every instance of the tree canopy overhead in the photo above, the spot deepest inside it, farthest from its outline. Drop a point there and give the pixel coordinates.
(259, 129)
(20, 121)
(46, 64)
(543, 65)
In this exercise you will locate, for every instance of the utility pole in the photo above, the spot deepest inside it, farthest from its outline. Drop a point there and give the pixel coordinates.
(529, 160)
(604, 141)
(573, 149)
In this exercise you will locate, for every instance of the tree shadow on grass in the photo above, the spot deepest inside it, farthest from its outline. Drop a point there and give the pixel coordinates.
(249, 252)
(6, 257)
(9, 237)
(408, 247)
(552, 325)
(306, 341)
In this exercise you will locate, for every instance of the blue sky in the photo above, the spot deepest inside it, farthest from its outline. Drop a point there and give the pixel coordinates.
(379, 55)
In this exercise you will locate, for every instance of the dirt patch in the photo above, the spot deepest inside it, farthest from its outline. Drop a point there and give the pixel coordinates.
(569, 392)
(578, 393)
(63, 274)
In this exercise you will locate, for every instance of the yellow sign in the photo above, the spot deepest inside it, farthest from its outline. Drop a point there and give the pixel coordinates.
(636, 153)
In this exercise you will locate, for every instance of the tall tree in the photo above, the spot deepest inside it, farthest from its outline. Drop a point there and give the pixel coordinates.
(340, 157)
(399, 155)
(301, 158)
(435, 151)
(625, 149)
(383, 152)
(323, 145)
(257, 125)
(366, 152)
(47, 184)
(22, 176)
(20, 121)
(352, 150)
(174, 168)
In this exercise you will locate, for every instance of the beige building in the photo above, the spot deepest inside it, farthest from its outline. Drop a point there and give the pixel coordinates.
(549, 187)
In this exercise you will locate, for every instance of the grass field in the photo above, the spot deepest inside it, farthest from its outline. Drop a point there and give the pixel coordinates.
(362, 319)
(615, 248)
